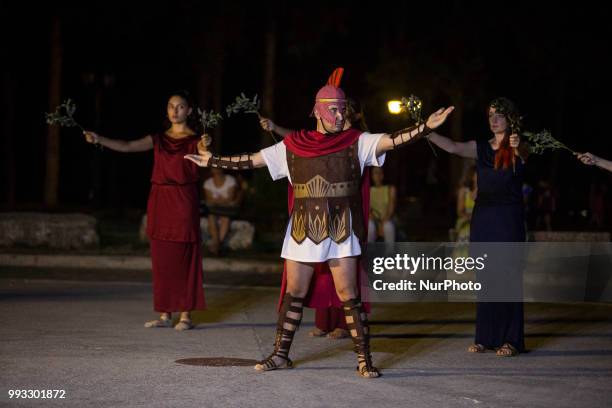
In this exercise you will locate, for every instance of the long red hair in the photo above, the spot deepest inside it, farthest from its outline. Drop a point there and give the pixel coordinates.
(505, 154)
(504, 157)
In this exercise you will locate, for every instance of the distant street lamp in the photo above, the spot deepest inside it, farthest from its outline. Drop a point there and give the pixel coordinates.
(395, 107)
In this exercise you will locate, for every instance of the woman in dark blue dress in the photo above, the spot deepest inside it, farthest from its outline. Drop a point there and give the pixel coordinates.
(498, 216)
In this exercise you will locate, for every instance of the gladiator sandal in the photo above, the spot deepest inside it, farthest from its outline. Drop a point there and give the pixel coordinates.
(357, 322)
(289, 319)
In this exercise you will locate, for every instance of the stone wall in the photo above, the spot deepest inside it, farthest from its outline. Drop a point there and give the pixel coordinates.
(240, 235)
(65, 231)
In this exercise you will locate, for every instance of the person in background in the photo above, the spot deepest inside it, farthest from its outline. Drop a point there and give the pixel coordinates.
(221, 192)
(382, 208)
(466, 199)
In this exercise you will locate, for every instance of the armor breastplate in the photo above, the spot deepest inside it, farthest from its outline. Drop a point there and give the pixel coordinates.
(326, 196)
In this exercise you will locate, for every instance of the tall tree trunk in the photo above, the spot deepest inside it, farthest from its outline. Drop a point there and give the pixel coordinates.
(456, 166)
(269, 77)
(217, 100)
(7, 139)
(52, 152)
(560, 92)
(203, 85)
(96, 174)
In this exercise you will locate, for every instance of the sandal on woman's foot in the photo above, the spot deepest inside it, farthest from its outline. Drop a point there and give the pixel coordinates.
(507, 350)
(476, 348)
(274, 362)
(338, 333)
(183, 325)
(158, 323)
(316, 332)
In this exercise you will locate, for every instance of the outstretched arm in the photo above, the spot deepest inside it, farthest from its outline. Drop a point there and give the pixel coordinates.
(125, 146)
(591, 160)
(463, 149)
(244, 161)
(406, 136)
(270, 126)
(468, 149)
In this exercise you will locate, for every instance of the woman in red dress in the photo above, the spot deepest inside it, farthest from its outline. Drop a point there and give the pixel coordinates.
(173, 221)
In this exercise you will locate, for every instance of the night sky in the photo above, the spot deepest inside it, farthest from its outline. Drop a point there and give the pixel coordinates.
(121, 59)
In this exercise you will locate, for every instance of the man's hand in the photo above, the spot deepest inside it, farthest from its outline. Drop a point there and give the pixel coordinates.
(437, 118)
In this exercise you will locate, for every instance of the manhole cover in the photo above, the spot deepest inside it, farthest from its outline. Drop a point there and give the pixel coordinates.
(218, 362)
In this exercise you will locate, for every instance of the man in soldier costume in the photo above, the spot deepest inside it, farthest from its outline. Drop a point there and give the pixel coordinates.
(327, 223)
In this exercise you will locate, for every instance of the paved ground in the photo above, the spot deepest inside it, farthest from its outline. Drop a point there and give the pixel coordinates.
(88, 339)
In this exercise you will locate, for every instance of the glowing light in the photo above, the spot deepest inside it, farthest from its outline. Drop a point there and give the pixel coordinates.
(395, 107)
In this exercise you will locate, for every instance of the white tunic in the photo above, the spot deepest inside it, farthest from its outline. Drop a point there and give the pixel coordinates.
(275, 157)
(223, 190)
